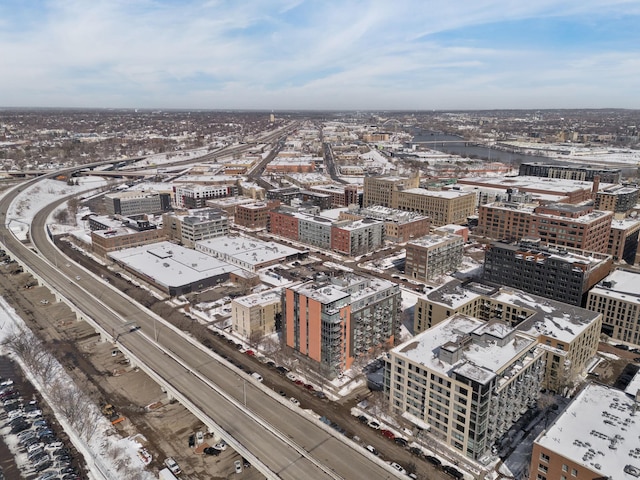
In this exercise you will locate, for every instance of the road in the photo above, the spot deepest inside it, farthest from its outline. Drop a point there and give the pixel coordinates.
(277, 435)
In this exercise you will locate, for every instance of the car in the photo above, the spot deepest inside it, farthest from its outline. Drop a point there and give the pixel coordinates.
(416, 451)
(282, 393)
(257, 376)
(401, 441)
(309, 387)
(325, 420)
(78, 277)
(398, 467)
(250, 352)
(212, 451)
(621, 346)
(636, 359)
(320, 394)
(454, 472)
(388, 434)
(433, 460)
(290, 376)
(238, 466)
(245, 463)
(47, 476)
(413, 475)
(362, 419)
(199, 438)
(295, 401)
(192, 440)
(282, 370)
(298, 382)
(372, 450)
(374, 424)
(221, 445)
(172, 465)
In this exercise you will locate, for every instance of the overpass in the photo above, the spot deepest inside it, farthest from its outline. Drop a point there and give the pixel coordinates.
(274, 435)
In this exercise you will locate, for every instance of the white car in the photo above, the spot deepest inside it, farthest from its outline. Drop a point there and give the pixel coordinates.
(238, 465)
(291, 376)
(172, 465)
(257, 376)
(199, 438)
(295, 401)
(373, 424)
(221, 445)
(398, 467)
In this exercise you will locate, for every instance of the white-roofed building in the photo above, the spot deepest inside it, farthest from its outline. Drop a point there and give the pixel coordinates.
(596, 437)
(254, 316)
(467, 379)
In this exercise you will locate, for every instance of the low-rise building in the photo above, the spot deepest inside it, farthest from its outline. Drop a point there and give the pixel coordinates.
(254, 316)
(248, 253)
(357, 237)
(254, 215)
(617, 198)
(196, 196)
(191, 226)
(137, 203)
(399, 226)
(130, 234)
(595, 437)
(617, 298)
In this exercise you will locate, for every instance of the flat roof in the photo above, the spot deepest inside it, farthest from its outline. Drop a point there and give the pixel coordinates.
(598, 430)
(526, 183)
(262, 298)
(436, 193)
(432, 240)
(248, 249)
(486, 358)
(172, 265)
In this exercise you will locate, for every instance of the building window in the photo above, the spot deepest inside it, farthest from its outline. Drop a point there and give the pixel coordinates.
(543, 468)
(574, 472)
(544, 457)
(565, 468)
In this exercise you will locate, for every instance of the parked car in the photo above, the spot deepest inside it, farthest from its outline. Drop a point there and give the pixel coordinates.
(401, 441)
(221, 445)
(172, 465)
(388, 434)
(372, 450)
(433, 460)
(454, 472)
(212, 451)
(238, 466)
(398, 467)
(374, 424)
(295, 401)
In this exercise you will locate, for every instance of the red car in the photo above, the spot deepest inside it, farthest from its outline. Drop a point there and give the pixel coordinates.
(298, 382)
(387, 433)
(251, 353)
(308, 386)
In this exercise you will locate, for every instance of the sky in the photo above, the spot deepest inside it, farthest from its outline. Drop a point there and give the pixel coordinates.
(320, 54)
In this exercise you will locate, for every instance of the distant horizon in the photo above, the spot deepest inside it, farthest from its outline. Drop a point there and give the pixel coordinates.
(303, 110)
(334, 55)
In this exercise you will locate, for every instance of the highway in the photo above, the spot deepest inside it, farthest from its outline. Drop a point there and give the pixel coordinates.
(274, 435)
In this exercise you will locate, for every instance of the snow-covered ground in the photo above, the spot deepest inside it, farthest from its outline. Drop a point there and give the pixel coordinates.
(108, 455)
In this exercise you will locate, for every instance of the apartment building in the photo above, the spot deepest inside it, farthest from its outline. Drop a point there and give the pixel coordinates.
(441, 206)
(567, 225)
(623, 240)
(284, 195)
(569, 333)
(570, 172)
(136, 203)
(354, 238)
(431, 256)
(399, 226)
(595, 437)
(570, 191)
(469, 380)
(563, 274)
(194, 225)
(617, 199)
(617, 298)
(254, 215)
(383, 190)
(254, 316)
(333, 321)
(341, 195)
(196, 196)
(131, 235)
(574, 226)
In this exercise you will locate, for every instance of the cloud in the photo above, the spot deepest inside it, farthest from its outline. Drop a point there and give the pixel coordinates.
(331, 54)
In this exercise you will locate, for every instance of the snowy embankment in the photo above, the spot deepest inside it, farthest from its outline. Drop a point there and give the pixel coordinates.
(107, 455)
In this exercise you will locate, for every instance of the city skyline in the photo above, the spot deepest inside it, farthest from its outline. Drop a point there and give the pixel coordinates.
(319, 55)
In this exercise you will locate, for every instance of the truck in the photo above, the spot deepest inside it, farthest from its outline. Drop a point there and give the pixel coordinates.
(165, 474)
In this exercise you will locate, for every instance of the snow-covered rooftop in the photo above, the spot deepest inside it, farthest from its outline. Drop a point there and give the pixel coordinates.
(171, 265)
(247, 250)
(598, 430)
(481, 359)
(262, 298)
(433, 240)
(436, 193)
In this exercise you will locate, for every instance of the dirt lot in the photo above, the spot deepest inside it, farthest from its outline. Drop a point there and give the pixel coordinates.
(163, 429)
